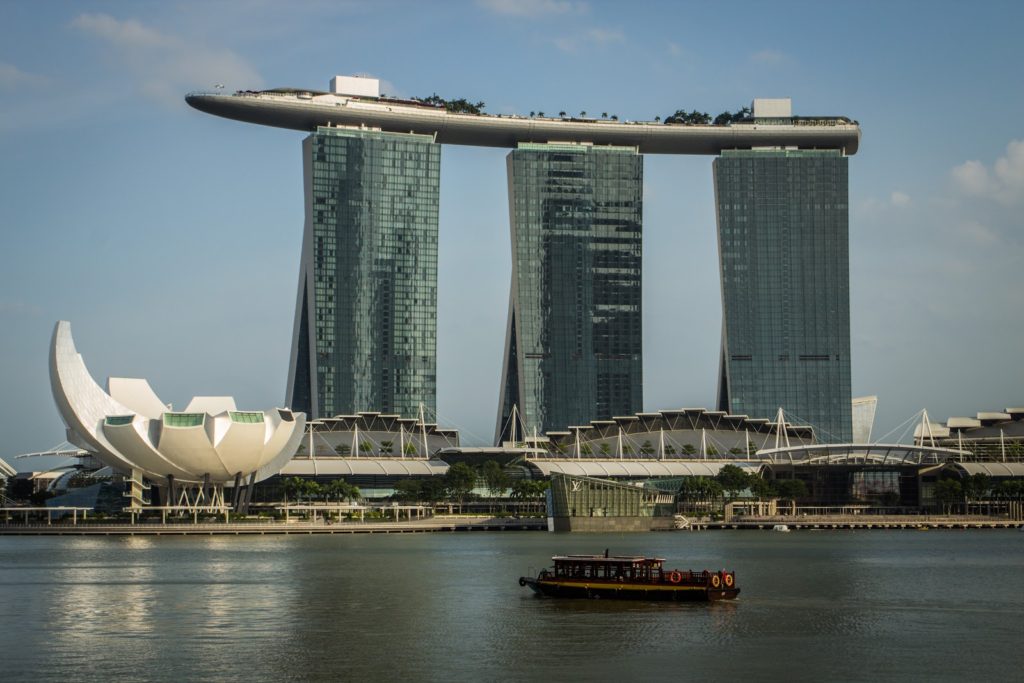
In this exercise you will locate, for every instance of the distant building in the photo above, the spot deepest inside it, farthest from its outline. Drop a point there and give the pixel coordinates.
(573, 345)
(6, 471)
(864, 418)
(784, 261)
(365, 332)
(995, 436)
(365, 322)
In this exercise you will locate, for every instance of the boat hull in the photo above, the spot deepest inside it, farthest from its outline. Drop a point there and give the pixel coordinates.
(618, 591)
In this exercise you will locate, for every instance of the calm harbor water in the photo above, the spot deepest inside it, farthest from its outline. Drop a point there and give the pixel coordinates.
(877, 605)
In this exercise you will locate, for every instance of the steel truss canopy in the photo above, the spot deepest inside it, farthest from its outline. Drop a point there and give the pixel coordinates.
(307, 110)
(861, 454)
(635, 469)
(343, 467)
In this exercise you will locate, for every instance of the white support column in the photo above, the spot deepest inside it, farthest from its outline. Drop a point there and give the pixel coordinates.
(423, 430)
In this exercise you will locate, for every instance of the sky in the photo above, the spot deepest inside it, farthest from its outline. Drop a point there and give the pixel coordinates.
(170, 238)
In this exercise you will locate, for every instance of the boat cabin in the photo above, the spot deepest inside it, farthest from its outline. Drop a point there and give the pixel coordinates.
(608, 568)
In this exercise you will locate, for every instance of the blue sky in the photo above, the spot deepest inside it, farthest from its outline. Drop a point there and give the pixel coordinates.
(171, 238)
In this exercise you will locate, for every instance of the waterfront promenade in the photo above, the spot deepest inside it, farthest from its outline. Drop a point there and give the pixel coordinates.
(450, 523)
(820, 522)
(454, 523)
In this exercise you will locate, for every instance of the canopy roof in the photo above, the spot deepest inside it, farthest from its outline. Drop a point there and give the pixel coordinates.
(387, 467)
(637, 468)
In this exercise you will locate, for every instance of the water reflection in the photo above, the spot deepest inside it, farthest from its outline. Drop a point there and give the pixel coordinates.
(449, 607)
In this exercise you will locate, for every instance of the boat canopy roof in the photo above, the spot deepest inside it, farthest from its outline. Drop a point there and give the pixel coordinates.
(614, 559)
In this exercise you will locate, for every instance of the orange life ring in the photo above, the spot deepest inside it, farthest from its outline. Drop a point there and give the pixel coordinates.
(716, 581)
(675, 577)
(728, 580)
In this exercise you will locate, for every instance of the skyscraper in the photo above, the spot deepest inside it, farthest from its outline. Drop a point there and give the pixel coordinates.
(366, 320)
(573, 345)
(783, 226)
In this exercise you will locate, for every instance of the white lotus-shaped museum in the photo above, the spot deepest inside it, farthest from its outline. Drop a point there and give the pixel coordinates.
(129, 428)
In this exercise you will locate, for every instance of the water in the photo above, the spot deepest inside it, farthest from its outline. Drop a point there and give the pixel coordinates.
(877, 605)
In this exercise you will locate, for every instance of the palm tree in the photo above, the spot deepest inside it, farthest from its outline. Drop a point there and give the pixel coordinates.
(604, 115)
(342, 490)
(583, 114)
(561, 114)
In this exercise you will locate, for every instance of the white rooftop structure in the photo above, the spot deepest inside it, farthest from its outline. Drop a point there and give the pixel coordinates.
(361, 86)
(779, 108)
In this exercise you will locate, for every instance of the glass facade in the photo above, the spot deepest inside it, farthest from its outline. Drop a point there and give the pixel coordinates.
(184, 419)
(783, 224)
(573, 345)
(366, 320)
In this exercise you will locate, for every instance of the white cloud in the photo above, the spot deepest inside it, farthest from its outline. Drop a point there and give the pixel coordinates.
(873, 205)
(675, 49)
(164, 67)
(533, 8)
(604, 36)
(594, 37)
(12, 77)
(979, 234)
(898, 198)
(768, 57)
(1004, 182)
(129, 33)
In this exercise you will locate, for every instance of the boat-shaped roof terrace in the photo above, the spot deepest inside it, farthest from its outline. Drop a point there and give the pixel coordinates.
(308, 110)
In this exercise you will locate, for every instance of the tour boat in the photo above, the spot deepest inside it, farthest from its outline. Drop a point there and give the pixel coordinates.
(629, 578)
